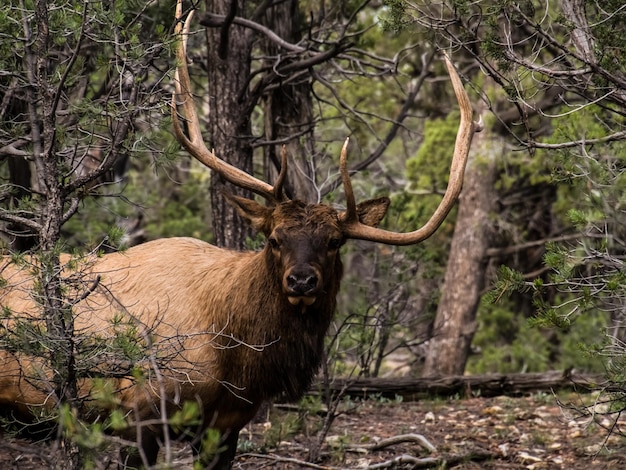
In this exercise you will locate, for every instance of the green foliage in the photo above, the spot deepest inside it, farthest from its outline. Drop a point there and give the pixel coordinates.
(573, 303)
(508, 342)
(281, 430)
(103, 391)
(507, 282)
(607, 26)
(395, 17)
(117, 46)
(166, 210)
(89, 437)
(310, 405)
(190, 415)
(362, 102)
(127, 341)
(95, 74)
(430, 167)
(210, 447)
(117, 420)
(428, 173)
(24, 335)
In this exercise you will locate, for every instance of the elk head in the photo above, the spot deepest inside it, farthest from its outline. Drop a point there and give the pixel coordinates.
(304, 240)
(316, 230)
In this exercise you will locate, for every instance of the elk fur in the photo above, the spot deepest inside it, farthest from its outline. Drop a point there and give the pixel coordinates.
(242, 341)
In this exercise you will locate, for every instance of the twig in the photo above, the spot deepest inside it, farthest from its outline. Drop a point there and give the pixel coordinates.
(277, 458)
(403, 459)
(430, 462)
(392, 441)
(26, 450)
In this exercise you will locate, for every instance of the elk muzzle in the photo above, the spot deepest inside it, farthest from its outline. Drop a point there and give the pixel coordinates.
(302, 284)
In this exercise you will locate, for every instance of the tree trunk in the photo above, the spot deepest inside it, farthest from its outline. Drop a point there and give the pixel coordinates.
(288, 110)
(229, 129)
(454, 325)
(58, 318)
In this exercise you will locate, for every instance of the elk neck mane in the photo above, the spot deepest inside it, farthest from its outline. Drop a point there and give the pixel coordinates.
(284, 343)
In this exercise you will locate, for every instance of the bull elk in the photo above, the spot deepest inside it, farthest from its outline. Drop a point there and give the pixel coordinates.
(250, 325)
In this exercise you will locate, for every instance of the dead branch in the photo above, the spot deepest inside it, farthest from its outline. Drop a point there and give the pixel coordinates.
(431, 462)
(394, 440)
(278, 459)
(487, 385)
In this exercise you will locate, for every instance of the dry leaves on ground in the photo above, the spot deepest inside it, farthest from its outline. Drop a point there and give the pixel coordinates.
(531, 432)
(478, 433)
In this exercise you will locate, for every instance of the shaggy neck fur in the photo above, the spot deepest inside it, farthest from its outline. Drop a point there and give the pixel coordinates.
(284, 343)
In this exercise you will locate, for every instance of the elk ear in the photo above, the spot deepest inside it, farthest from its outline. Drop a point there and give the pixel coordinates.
(257, 215)
(372, 211)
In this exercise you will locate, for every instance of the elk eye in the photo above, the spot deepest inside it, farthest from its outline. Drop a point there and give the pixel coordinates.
(273, 242)
(334, 243)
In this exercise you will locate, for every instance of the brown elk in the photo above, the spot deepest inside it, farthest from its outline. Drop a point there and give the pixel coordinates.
(249, 326)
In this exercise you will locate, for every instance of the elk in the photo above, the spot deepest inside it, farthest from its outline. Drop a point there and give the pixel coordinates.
(249, 326)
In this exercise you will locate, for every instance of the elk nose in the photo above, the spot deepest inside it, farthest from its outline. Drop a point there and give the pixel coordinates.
(302, 283)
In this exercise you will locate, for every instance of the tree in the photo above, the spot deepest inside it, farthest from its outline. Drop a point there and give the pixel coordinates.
(548, 60)
(465, 275)
(288, 108)
(260, 59)
(75, 85)
(578, 282)
(230, 129)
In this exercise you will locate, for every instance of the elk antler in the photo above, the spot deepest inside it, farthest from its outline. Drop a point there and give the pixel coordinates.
(193, 142)
(355, 229)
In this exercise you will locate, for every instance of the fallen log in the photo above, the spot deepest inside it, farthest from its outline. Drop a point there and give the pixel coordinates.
(487, 385)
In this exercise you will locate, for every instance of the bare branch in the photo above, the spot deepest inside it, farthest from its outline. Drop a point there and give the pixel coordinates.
(4, 215)
(616, 136)
(213, 20)
(13, 150)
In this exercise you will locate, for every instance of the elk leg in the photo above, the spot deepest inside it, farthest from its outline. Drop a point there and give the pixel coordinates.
(224, 460)
(132, 458)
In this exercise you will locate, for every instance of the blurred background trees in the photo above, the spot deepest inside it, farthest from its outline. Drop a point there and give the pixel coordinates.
(540, 218)
(559, 96)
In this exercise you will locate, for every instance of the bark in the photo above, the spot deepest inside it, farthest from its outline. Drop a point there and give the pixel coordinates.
(58, 319)
(454, 324)
(229, 129)
(288, 109)
(582, 37)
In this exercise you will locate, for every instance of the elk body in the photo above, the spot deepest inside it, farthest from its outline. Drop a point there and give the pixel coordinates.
(236, 328)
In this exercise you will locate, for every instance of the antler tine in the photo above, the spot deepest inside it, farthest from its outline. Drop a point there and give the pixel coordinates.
(278, 185)
(467, 128)
(350, 216)
(193, 142)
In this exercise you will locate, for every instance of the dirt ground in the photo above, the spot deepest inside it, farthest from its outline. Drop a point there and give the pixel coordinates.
(478, 433)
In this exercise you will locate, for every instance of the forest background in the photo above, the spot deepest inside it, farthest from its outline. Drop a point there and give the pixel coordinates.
(526, 274)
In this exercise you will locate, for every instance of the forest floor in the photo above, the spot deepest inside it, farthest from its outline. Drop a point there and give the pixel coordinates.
(531, 432)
